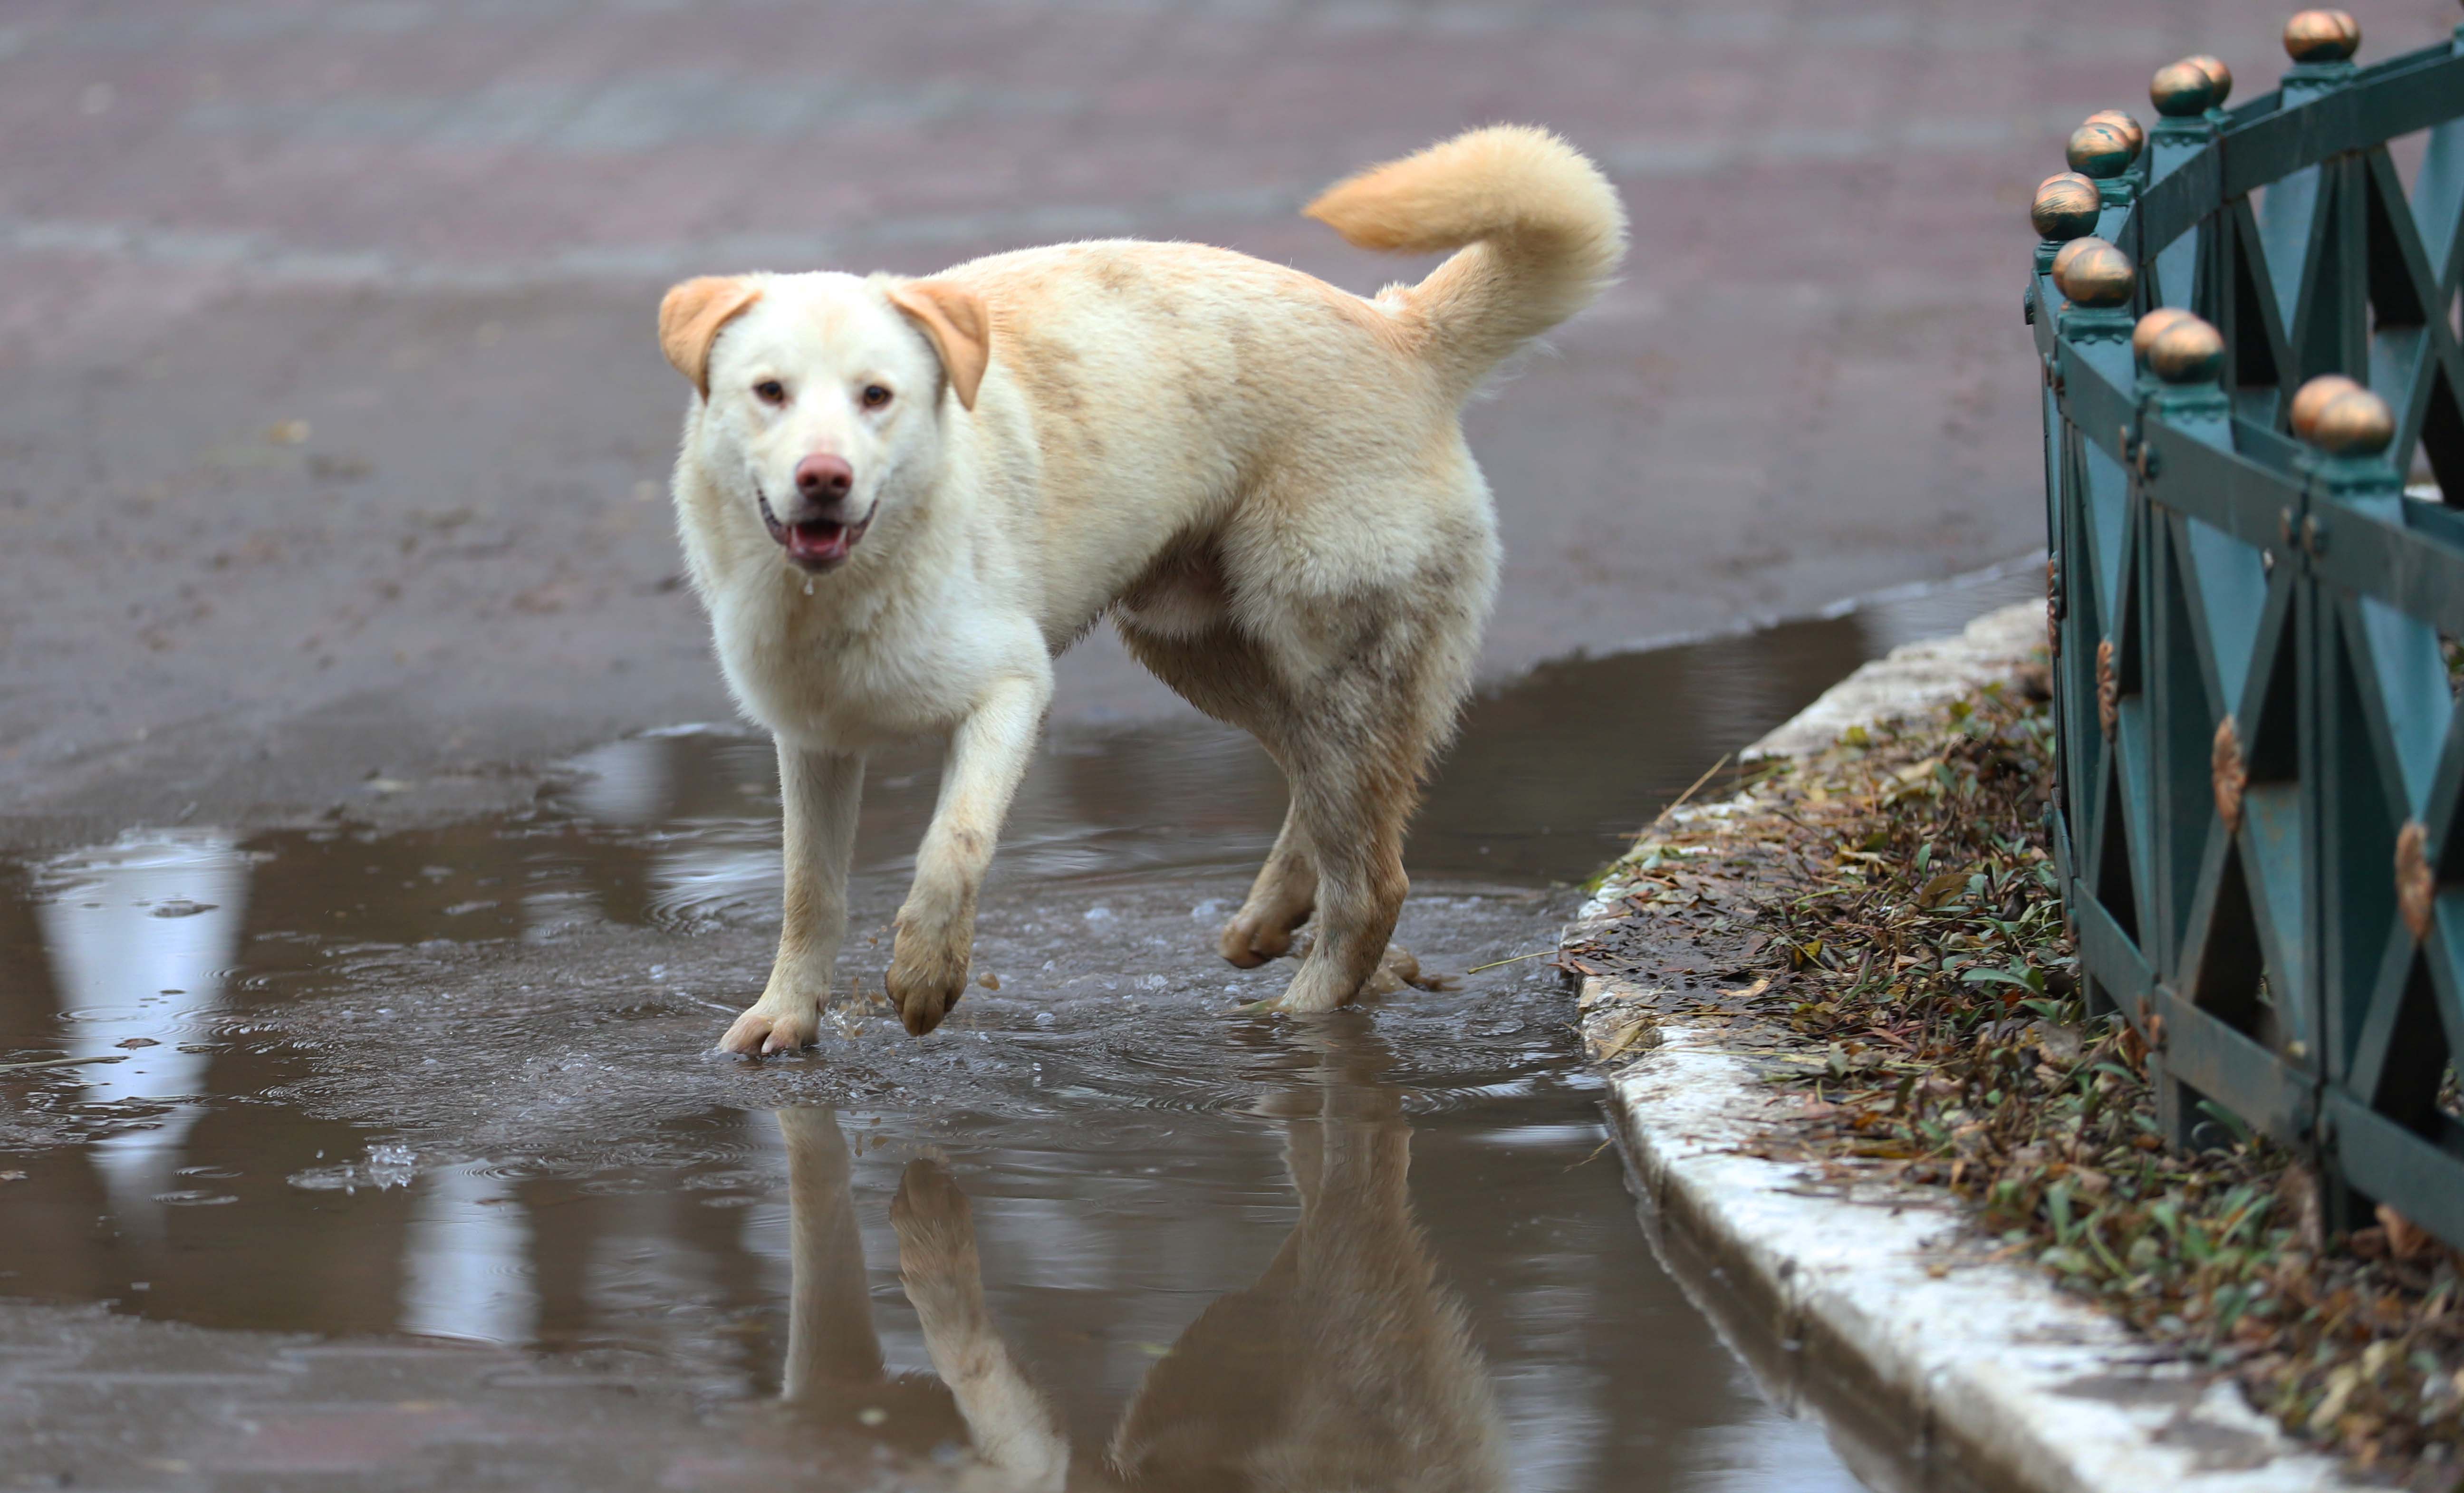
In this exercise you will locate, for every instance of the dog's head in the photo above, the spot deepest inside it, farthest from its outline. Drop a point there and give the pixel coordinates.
(822, 393)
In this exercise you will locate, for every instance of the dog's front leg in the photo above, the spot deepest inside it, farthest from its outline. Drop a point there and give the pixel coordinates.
(819, 793)
(936, 928)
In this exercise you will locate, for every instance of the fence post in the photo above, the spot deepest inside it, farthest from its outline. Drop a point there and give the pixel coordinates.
(2186, 95)
(2359, 889)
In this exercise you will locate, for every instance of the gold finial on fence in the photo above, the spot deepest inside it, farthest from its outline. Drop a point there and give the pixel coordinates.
(2091, 273)
(2182, 349)
(2133, 133)
(2322, 37)
(2066, 207)
(2218, 75)
(2149, 326)
(2311, 397)
(2182, 90)
(2100, 149)
(2341, 418)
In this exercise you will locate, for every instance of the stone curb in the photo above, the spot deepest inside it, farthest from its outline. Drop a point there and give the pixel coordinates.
(1875, 1304)
(1915, 677)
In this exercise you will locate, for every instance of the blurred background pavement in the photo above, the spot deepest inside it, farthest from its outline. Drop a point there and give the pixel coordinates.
(333, 437)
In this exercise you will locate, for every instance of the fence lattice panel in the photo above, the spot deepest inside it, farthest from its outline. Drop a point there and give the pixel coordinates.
(2261, 816)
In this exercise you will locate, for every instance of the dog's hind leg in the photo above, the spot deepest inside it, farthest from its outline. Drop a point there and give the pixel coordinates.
(1375, 677)
(1353, 796)
(1224, 673)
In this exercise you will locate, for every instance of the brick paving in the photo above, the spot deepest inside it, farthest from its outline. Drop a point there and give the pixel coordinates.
(433, 231)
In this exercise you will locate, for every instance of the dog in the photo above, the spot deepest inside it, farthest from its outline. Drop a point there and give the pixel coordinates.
(900, 498)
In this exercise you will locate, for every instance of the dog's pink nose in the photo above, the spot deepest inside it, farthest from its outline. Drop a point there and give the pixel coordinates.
(823, 478)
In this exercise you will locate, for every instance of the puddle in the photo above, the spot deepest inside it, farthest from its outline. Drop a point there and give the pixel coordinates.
(451, 1085)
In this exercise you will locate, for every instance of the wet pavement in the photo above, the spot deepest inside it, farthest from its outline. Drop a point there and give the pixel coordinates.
(406, 1162)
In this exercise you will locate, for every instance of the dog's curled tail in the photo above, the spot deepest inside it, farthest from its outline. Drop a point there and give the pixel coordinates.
(1539, 228)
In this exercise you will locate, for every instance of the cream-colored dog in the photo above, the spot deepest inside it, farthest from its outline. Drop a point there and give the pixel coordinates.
(900, 498)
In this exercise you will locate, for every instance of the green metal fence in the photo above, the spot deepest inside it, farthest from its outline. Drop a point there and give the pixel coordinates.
(2248, 329)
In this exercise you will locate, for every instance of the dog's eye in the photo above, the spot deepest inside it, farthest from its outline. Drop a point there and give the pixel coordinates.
(770, 392)
(875, 396)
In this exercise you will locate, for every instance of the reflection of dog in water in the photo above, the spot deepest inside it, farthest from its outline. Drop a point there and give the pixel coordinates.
(1347, 1366)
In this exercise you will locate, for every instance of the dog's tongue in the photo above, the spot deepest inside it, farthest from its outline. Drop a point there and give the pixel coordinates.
(819, 542)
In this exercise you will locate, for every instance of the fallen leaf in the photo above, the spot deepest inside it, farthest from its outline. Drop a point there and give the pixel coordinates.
(1942, 888)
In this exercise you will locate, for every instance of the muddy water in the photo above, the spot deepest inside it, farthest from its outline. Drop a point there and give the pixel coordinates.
(445, 1094)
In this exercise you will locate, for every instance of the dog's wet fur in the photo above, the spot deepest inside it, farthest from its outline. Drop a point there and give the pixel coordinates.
(900, 498)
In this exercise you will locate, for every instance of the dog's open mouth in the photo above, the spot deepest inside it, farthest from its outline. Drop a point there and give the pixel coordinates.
(815, 544)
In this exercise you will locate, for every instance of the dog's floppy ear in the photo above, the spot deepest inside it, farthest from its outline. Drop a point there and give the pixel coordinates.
(691, 315)
(959, 326)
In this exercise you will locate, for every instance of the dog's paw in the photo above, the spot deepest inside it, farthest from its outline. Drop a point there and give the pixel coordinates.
(926, 976)
(1398, 970)
(1252, 938)
(774, 1025)
(1319, 986)
(1305, 997)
